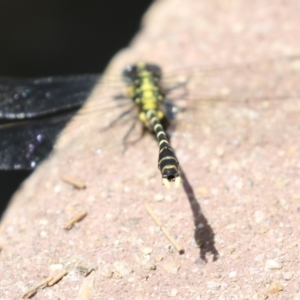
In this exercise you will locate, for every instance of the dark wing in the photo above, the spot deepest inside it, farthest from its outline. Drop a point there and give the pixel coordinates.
(33, 112)
(23, 145)
(31, 98)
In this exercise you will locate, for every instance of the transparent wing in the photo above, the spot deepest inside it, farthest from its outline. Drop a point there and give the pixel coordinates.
(209, 100)
(247, 97)
(248, 106)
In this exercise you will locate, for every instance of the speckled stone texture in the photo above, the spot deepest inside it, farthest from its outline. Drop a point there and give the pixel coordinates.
(237, 211)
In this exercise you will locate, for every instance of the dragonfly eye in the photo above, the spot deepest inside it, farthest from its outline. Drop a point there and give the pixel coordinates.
(130, 73)
(154, 69)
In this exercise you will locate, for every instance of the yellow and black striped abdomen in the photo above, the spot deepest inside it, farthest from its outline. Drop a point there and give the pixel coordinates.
(144, 89)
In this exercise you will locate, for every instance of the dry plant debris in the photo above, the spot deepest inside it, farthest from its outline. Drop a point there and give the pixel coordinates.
(57, 278)
(164, 229)
(69, 224)
(75, 183)
(37, 286)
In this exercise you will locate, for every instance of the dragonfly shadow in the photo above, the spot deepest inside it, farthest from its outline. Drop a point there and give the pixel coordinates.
(203, 235)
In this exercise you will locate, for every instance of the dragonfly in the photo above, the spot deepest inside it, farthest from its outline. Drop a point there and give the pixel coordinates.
(34, 111)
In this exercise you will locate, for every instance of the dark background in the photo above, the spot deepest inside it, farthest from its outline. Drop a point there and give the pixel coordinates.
(40, 38)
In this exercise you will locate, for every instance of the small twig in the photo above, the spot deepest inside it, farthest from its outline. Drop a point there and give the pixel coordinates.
(69, 224)
(164, 229)
(36, 287)
(86, 289)
(58, 277)
(77, 184)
